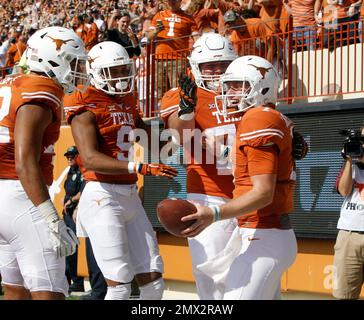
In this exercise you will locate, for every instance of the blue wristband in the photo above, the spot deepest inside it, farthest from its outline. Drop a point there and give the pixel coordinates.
(217, 212)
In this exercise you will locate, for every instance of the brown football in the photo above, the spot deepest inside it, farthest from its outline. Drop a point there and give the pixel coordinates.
(170, 212)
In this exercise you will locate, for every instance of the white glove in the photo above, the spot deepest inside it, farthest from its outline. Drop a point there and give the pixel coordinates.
(62, 238)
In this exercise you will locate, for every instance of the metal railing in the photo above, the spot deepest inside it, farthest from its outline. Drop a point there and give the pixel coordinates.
(313, 63)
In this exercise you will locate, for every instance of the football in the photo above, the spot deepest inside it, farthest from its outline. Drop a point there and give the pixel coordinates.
(170, 212)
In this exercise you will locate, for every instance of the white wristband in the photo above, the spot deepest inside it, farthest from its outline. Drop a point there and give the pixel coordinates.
(187, 116)
(48, 211)
(134, 167)
(131, 167)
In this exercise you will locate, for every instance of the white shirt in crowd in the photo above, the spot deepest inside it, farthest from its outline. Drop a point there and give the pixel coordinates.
(100, 24)
(3, 49)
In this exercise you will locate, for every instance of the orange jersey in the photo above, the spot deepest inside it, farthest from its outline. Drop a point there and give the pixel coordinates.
(175, 36)
(342, 10)
(264, 126)
(336, 11)
(273, 16)
(303, 12)
(205, 175)
(22, 90)
(206, 19)
(244, 43)
(82, 32)
(115, 117)
(15, 52)
(91, 35)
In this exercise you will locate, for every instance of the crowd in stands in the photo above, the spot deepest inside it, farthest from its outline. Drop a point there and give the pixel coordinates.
(263, 22)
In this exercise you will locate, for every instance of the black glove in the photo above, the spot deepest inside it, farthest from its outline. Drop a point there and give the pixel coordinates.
(187, 95)
(299, 146)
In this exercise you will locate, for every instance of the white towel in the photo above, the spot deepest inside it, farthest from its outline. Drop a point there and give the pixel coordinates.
(218, 267)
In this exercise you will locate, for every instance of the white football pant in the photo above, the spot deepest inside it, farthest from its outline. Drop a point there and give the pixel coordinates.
(207, 245)
(252, 264)
(121, 235)
(26, 255)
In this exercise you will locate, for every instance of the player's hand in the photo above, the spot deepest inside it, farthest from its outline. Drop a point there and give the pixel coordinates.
(159, 27)
(156, 169)
(188, 88)
(63, 240)
(204, 216)
(299, 146)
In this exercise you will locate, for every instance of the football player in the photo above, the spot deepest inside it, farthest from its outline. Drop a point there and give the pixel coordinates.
(208, 182)
(33, 240)
(264, 245)
(110, 212)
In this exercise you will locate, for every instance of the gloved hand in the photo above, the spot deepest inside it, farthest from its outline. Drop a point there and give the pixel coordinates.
(62, 238)
(156, 169)
(299, 146)
(188, 97)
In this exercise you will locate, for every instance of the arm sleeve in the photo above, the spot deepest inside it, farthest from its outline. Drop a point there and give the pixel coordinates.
(74, 105)
(169, 105)
(262, 160)
(259, 130)
(44, 92)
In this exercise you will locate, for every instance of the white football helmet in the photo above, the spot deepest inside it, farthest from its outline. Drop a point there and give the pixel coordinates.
(210, 47)
(110, 68)
(60, 54)
(249, 81)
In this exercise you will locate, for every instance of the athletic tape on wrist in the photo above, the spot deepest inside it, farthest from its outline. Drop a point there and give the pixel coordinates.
(48, 211)
(132, 167)
(138, 167)
(187, 116)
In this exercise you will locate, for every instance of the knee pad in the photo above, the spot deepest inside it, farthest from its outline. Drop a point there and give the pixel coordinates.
(120, 292)
(153, 290)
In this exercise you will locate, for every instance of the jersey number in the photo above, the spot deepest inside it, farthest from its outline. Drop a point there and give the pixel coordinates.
(123, 143)
(171, 29)
(5, 98)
